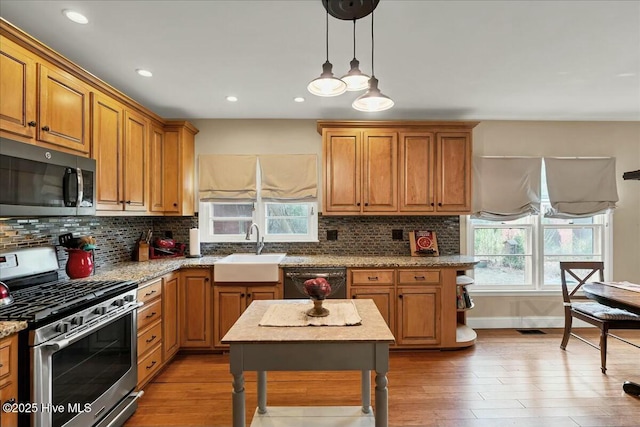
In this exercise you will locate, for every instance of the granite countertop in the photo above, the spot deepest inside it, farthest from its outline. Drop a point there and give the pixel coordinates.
(148, 270)
(11, 327)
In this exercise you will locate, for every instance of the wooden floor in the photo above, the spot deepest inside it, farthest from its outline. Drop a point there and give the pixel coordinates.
(507, 379)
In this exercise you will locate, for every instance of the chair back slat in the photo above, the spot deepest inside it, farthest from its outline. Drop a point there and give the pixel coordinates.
(588, 270)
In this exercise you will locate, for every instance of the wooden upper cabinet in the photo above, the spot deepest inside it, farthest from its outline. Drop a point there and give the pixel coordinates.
(453, 172)
(156, 169)
(63, 114)
(135, 162)
(42, 104)
(108, 119)
(178, 158)
(360, 171)
(342, 170)
(417, 172)
(17, 91)
(396, 168)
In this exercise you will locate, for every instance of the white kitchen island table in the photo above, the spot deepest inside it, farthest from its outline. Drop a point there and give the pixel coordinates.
(363, 347)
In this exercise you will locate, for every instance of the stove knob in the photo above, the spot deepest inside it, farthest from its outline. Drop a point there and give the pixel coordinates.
(100, 310)
(77, 321)
(119, 302)
(63, 327)
(129, 298)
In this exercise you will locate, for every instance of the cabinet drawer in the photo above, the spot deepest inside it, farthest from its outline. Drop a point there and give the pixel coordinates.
(149, 314)
(5, 359)
(149, 338)
(372, 277)
(149, 365)
(418, 277)
(150, 291)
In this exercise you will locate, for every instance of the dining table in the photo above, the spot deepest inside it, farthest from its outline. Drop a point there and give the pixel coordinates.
(624, 295)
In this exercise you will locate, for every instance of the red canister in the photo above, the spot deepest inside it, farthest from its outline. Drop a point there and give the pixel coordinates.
(79, 264)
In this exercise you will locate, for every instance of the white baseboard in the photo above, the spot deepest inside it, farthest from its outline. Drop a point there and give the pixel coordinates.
(521, 322)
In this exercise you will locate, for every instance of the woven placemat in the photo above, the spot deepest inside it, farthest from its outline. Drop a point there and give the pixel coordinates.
(341, 313)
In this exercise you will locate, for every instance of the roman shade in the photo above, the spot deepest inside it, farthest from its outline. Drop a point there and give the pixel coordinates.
(506, 188)
(231, 177)
(289, 176)
(580, 187)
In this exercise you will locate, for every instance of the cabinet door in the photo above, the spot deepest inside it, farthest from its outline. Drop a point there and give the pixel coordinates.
(255, 293)
(9, 378)
(342, 169)
(417, 172)
(170, 316)
(108, 117)
(453, 172)
(135, 162)
(196, 316)
(418, 315)
(380, 172)
(18, 90)
(156, 169)
(230, 301)
(383, 297)
(171, 172)
(63, 114)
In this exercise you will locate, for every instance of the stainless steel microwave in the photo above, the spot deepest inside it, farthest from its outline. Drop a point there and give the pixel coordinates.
(36, 181)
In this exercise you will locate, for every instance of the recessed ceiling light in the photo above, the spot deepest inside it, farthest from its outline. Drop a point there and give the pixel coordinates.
(298, 99)
(144, 73)
(626, 75)
(231, 98)
(76, 17)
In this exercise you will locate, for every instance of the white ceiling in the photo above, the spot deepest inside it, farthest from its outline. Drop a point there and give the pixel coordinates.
(474, 60)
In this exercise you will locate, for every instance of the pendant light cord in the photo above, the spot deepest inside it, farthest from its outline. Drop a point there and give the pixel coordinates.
(327, 35)
(372, 72)
(354, 38)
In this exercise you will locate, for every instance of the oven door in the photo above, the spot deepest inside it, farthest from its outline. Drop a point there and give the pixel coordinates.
(80, 379)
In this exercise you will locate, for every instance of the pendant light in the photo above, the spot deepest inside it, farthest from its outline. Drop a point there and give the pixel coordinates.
(355, 79)
(327, 84)
(373, 100)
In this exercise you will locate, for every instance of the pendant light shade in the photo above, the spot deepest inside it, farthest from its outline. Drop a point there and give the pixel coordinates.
(373, 100)
(327, 85)
(355, 79)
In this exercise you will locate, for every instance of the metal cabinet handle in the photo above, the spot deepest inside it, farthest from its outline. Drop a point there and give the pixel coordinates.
(206, 279)
(374, 278)
(432, 204)
(153, 337)
(358, 204)
(400, 296)
(32, 124)
(440, 204)
(354, 297)
(128, 202)
(241, 295)
(175, 205)
(45, 128)
(152, 364)
(150, 293)
(419, 277)
(248, 295)
(150, 315)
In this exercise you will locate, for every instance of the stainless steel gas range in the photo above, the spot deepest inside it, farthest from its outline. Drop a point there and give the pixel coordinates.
(77, 362)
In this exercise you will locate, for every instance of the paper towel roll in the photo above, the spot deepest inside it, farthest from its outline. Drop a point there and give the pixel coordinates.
(194, 242)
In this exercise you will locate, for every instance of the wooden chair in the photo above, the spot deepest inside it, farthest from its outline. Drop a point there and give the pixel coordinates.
(602, 316)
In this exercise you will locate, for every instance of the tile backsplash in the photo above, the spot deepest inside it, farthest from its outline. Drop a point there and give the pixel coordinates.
(115, 236)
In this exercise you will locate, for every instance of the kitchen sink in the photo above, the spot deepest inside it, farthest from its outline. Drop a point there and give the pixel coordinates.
(244, 267)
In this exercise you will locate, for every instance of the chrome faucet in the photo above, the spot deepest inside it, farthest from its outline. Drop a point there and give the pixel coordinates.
(259, 243)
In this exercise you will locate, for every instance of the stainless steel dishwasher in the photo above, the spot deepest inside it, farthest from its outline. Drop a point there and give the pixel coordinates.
(338, 274)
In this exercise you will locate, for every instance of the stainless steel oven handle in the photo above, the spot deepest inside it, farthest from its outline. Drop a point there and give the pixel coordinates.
(61, 343)
(80, 187)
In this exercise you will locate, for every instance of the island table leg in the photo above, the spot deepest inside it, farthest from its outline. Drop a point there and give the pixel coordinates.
(238, 400)
(262, 392)
(366, 392)
(382, 404)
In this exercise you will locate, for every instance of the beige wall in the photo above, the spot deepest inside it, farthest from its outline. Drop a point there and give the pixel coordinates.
(508, 138)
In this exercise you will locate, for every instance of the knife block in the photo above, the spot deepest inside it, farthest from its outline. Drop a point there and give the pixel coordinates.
(142, 251)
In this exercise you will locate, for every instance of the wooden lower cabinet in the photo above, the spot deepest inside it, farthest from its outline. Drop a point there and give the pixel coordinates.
(418, 315)
(383, 296)
(231, 300)
(170, 316)
(9, 378)
(149, 330)
(196, 315)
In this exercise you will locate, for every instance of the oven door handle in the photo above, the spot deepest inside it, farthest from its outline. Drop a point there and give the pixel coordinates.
(61, 343)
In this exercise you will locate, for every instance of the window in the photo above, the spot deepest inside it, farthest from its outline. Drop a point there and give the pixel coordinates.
(524, 254)
(278, 220)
